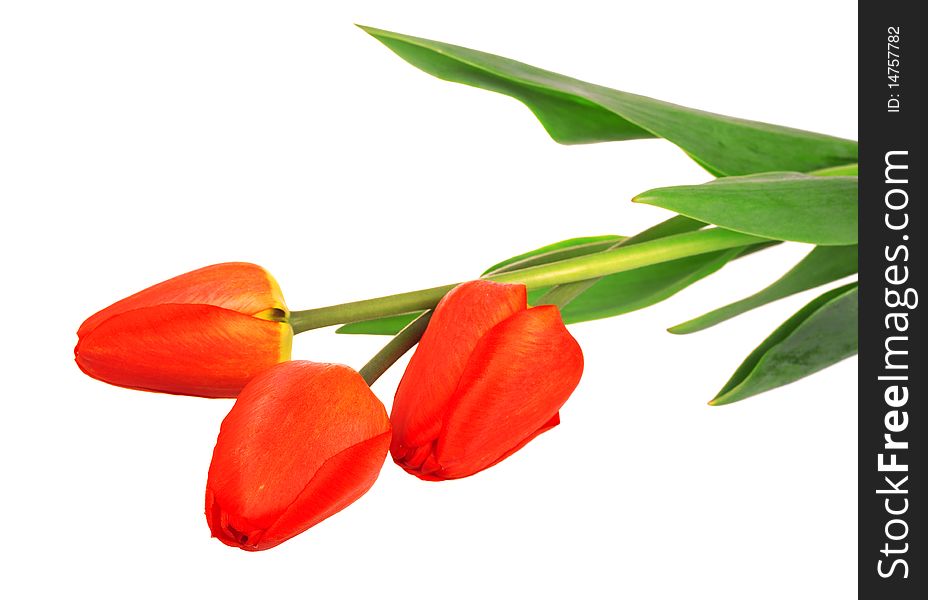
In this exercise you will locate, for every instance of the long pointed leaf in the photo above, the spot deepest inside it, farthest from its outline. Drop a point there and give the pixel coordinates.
(821, 334)
(628, 291)
(576, 112)
(554, 252)
(822, 265)
(781, 206)
(382, 326)
(564, 294)
(839, 171)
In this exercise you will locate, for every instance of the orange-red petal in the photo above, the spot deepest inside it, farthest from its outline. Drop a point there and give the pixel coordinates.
(302, 441)
(462, 317)
(551, 424)
(339, 482)
(241, 287)
(190, 349)
(515, 381)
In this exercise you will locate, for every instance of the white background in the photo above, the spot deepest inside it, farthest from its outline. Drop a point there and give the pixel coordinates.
(142, 140)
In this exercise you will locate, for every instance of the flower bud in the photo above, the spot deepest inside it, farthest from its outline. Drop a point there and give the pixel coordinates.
(303, 441)
(488, 376)
(204, 333)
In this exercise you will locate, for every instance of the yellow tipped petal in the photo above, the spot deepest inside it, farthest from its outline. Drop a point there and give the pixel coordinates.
(286, 342)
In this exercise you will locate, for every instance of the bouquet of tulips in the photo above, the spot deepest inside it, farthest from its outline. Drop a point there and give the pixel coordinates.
(494, 362)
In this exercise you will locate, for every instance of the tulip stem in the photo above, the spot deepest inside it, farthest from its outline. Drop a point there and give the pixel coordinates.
(362, 310)
(625, 257)
(563, 294)
(408, 337)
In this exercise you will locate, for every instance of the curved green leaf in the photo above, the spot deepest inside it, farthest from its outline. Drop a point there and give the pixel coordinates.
(382, 326)
(633, 290)
(554, 252)
(627, 291)
(782, 206)
(576, 112)
(822, 265)
(564, 294)
(821, 334)
(840, 171)
(673, 226)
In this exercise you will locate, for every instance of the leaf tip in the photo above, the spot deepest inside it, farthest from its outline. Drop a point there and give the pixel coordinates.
(687, 327)
(373, 31)
(724, 398)
(645, 198)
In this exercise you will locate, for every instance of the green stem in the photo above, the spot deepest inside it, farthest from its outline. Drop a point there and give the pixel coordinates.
(362, 310)
(564, 294)
(626, 258)
(580, 268)
(555, 255)
(395, 349)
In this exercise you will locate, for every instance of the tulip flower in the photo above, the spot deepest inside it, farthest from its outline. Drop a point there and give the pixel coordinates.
(303, 441)
(488, 376)
(204, 333)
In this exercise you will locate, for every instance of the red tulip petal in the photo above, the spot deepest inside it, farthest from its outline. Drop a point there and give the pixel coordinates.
(339, 482)
(187, 349)
(431, 470)
(463, 316)
(551, 424)
(517, 378)
(302, 441)
(241, 287)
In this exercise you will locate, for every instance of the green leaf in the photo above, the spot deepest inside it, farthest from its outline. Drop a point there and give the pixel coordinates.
(783, 206)
(554, 252)
(840, 171)
(673, 226)
(633, 290)
(821, 334)
(563, 294)
(383, 326)
(576, 112)
(627, 291)
(822, 265)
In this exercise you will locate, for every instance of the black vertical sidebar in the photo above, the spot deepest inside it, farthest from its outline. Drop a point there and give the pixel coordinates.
(893, 371)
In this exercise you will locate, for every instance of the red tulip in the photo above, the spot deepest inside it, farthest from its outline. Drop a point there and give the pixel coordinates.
(204, 333)
(489, 375)
(303, 441)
